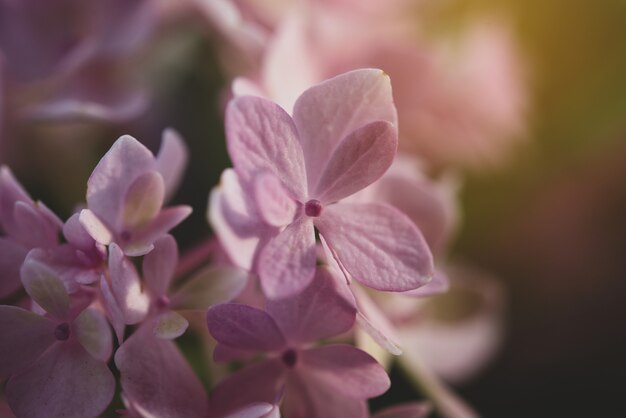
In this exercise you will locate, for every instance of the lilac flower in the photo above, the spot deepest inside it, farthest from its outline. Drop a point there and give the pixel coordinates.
(290, 174)
(332, 380)
(25, 225)
(126, 192)
(56, 363)
(155, 377)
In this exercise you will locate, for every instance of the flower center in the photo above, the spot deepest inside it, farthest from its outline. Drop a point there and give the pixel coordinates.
(290, 357)
(313, 208)
(62, 332)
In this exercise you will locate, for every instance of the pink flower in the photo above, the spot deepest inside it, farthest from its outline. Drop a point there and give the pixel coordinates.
(126, 192)
(327, 381)
(56, 363)
(25, 225)
(290, 175)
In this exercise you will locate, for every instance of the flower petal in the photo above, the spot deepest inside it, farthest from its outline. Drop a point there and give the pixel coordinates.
(171, 161)
(328, 112)
(157, 379)
(170, 325)
(94, 334)
(117, 170)
(126, 287)
(358, 161)
(45, 287)
(12, 256)
(244, 327)
(113, 311)
(143, 200)
(321, 310)
(25, 336)
(167, 219)
(439, 284)
(65, 382)
(260, 382)
(347, 370)
(287, 262)
(261, 136)
(275, 204)
(210, 286)
(95, 227)
(378, 245)
(159, 265)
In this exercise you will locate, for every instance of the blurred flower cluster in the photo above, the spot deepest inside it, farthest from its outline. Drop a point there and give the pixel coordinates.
(349, 130)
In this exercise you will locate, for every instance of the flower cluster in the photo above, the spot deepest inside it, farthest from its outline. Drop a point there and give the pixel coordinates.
(327, 242)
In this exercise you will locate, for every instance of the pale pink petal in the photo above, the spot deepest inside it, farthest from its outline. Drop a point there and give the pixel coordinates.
(223, 353)
(65, 382)
(170, 325)
(31, 228)
(378, 245)
(159, 265)
(347, 370)
(439, 284)
(25, 336)
(10, 193)
(242, 86)
(12, 256)
(319, 311)
(244, 327)
(260, 382)
(262, 137)
(256, 410)
(95, 227)
(157, 379)
(94, 334)
(328, 112)
(142, 241)
(359, 160)
(76, 234)
(45, 287)
(407, 410)
(374, 322)
(113, 311)
(171, 161)
(275, 204)
(210, 286)
(126, 287)
(143, 200)
(117, 170)
(287, 262)
(307, 395)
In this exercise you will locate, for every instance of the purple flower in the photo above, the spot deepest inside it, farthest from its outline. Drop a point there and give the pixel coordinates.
(126, 192)
(290, 174)
(56, 363)
(332, 380)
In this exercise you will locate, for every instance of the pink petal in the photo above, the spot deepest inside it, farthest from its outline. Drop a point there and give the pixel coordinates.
(359, 160)
(407, 410)
(117, 170)
(10, 193)
(320, 311)
(170, 325)
(210, 286)
(32, 228)
(244, 327)
(12, 256)
(65, 382)
(76, 234)
(45, 287)
(260, 382)
(339, 106)
(378, 245)
(439, 284)
(275, 204)
(94, 334)
(347, 370)
(374, 322)
(95, 227)
(113, 311)
(159, 265)
(143, 200)
(126, 287)
(157, 379)
(142, 242)
(307, 395)
(223, 353)
(287, 262)
(25, 336)
(171, 161)
(257, 410)
(262, 137)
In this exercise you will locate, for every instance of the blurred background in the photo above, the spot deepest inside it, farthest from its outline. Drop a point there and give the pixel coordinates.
(549, 221)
